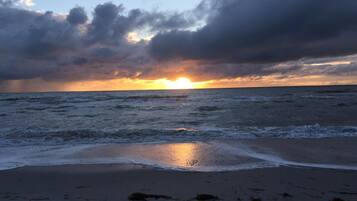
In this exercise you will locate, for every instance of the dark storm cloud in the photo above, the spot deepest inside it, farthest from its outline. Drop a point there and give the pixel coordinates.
(51, 46)
(265, 31)
(13, 2)
(77, 16)
(8, 2)
(239, 38)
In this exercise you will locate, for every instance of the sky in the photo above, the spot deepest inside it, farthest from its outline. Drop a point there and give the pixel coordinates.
(88, 45)
(65, 5)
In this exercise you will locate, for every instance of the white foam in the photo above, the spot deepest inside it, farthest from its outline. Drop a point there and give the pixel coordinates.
(277, 160)
(70, 155)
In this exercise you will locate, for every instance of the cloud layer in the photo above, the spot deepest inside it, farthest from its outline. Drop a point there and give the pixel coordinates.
(240, 38)
(52, 46)
(264, 32)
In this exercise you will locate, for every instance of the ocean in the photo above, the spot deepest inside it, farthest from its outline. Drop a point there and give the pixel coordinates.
(203, 130)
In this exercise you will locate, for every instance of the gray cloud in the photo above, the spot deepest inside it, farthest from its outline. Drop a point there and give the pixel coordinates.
(55, 47)
(264, 31)
(77, 16)
(14, 3)
(240, 38)
(6, 2)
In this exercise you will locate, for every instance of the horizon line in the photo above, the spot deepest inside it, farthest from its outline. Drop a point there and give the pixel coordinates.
(193, 89)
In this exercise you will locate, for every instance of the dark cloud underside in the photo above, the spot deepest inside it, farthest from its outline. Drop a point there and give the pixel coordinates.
(260, 31)
(240, 38)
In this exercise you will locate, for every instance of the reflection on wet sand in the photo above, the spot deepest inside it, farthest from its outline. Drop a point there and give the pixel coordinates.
(222, 156)
(183, 155)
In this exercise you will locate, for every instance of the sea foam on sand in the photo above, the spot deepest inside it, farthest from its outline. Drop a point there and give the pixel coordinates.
(211, 156)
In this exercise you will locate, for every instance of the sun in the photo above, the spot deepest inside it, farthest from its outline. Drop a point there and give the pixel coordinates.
(180, 83)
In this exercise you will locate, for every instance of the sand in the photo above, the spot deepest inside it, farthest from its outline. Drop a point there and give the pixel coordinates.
(120, 182)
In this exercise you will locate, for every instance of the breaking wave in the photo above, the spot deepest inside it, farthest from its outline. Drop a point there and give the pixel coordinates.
(91, 136)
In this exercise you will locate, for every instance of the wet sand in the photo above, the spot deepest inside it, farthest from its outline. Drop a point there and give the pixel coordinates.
(121, 182)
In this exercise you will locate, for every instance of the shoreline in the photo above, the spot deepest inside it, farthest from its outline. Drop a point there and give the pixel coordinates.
(130, 181)
(210, 156)
(121, 182)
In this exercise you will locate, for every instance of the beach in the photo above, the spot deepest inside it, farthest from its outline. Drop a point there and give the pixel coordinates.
(252, 170)
(273, 144)
(121, 182)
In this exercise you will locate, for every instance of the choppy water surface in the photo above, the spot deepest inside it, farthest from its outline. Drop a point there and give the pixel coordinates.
(75, 120)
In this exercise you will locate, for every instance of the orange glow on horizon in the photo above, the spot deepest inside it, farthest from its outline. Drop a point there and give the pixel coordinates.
(135, 84)
(180, 83)
(186, 83)
(124, 84)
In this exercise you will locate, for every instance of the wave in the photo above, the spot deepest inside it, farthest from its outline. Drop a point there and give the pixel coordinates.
(335, 91)
(274, 158)
(211, 156)
(66, 98)
(93, 136)
(208, 108)
(144, 108)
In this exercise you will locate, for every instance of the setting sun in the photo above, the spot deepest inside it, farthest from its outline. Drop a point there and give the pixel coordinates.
(180, 83)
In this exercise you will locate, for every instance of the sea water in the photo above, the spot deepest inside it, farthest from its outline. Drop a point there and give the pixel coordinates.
(202, 130)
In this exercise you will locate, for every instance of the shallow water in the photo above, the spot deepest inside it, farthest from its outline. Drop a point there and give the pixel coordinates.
(332, 153)
(59, 123)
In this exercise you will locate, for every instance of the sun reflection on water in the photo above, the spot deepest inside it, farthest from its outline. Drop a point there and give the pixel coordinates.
(183, 155)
